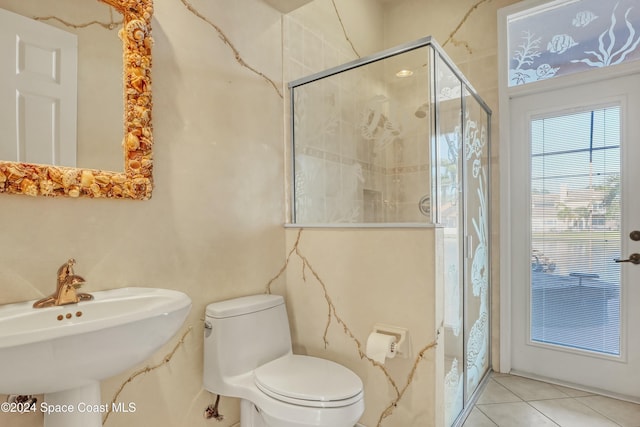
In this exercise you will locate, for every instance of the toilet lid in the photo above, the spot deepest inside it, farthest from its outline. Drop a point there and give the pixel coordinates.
(309, 381)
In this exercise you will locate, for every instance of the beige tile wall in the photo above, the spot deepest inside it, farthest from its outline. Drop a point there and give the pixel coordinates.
(341, 282)
(213, 228)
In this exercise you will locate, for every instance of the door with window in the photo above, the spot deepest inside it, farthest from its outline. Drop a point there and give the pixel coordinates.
(575, 212)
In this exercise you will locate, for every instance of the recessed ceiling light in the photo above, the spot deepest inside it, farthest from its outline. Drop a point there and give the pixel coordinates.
(404, 73)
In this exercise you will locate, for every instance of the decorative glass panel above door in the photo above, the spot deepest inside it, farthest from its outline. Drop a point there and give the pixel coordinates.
(569, 36)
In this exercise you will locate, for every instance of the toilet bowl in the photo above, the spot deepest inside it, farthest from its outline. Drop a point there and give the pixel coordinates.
(247, 354)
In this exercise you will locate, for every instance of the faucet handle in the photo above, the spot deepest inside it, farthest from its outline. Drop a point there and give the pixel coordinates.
(66, 270)
(70, 263)
(75, 280)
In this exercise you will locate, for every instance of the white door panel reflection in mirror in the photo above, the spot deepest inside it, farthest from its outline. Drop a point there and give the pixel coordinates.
(38, 87)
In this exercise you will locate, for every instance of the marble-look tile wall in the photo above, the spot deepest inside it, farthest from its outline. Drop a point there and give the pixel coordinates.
(213, 227)
(341, 282)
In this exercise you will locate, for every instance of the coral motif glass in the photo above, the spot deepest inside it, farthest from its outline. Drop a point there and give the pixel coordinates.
(463, 137)
(476, 155)
(567, 37)
(450, 142)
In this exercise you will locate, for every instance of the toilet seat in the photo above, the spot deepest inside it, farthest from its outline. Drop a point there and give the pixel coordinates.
(309, 381)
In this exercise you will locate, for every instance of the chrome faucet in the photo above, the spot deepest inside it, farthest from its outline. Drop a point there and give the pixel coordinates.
(66, 287)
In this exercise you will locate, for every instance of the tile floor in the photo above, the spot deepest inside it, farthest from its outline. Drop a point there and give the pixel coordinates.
(511, 401)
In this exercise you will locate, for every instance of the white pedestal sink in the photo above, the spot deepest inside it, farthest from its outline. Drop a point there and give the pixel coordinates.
(65, 351)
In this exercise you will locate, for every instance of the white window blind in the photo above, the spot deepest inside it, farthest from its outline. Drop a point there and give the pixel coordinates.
(575, 230)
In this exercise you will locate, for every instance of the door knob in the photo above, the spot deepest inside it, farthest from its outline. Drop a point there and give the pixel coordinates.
(635, 235)
(633, 259)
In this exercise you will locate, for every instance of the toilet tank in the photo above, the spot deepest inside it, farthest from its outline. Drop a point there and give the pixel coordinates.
(241, 334)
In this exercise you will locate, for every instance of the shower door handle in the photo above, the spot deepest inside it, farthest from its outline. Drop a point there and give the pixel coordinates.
(469, 248)
(633, 259)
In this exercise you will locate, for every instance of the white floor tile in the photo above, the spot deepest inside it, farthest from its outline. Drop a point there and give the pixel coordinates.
(527, 389)
(626, 414)
(478, 419)
(495, 392)
(512, 401)
(517, 414)
(571, 413)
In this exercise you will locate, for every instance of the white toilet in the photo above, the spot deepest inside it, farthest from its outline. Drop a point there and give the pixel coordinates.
(247, 354)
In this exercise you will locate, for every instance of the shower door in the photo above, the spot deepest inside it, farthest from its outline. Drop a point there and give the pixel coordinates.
(463, 151)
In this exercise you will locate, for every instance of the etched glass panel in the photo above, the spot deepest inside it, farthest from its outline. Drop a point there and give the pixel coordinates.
(449, 106)
(476, 158)
(565, 37)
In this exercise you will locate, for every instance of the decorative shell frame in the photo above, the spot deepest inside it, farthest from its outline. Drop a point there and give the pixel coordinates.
(136, 182)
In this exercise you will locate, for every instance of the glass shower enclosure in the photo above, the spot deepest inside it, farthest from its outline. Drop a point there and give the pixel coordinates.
(401, 139)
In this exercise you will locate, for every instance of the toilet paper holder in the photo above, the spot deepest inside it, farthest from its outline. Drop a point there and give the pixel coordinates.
(402, 346)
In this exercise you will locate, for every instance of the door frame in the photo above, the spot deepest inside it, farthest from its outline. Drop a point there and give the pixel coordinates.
(505, 94)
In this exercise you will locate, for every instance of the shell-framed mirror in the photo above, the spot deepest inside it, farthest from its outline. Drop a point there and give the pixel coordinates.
(136, 181)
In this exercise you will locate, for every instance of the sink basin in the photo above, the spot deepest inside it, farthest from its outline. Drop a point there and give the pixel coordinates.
(71, 348)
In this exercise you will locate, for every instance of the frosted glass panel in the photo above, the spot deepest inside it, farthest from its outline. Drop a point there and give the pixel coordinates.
(464, 200)
(565, 37)
(575, 230)
(449, 104)
(476, 222)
